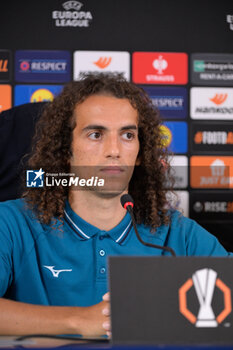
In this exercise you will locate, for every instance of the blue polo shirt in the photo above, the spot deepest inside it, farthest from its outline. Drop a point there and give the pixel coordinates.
(67, 265)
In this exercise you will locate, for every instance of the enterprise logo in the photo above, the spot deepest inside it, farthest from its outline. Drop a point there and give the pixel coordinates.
(212, 69)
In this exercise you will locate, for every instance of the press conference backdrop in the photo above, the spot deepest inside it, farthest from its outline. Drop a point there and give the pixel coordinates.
(180, 51)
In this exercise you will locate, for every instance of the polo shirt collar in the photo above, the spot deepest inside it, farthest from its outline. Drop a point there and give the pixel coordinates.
(86, 231)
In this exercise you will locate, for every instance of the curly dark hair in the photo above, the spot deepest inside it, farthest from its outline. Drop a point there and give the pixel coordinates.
(52, 149)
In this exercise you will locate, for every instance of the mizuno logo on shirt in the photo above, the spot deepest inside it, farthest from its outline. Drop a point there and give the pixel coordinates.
(56, 272)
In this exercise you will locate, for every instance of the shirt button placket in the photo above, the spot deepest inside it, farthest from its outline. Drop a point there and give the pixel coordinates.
(101, 259)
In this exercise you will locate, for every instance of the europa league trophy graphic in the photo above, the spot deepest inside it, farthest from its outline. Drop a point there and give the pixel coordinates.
(204, 283)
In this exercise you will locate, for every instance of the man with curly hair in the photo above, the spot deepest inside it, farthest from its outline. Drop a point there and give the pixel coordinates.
(55, 241)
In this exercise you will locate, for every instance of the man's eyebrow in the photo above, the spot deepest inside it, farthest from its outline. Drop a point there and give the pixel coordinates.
(101, 127)
(129, 127)
(94, 127)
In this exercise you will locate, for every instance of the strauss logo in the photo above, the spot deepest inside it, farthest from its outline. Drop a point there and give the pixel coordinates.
(160, 64)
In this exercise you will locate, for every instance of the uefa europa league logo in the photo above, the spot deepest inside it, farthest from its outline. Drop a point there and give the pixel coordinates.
(204, 282)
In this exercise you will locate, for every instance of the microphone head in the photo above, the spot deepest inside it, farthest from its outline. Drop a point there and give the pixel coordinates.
(126, 200)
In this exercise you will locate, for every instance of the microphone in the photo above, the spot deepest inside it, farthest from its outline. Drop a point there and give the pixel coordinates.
(127, 204)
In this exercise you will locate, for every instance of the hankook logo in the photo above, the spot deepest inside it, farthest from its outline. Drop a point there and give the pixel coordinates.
(86, 62)
(211, 103)
(103, 62)
(218, 99)
(204, 282)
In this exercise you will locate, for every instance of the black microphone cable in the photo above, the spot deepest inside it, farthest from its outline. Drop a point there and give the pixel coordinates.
(127, 203)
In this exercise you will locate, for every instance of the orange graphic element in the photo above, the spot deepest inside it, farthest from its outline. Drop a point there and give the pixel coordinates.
(189, 315)
(211, 172)
(103, 62)
(183, 301)
(3, 66)
(227, 300)
(230, 137)
(198, 137)
(218, 99)
(5, 97)
(230, 207)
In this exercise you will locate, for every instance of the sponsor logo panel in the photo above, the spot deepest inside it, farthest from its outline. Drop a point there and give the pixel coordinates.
(175, 136)
(35, 93)
(211, 172)
(180, 201)
(211, 205)
(180, 171)
(229, 20)
(5, 97)
(212, 69)
(212, 137)
(101, 62)
(5, 65)
(72, 14)
(160, 68)
(211, 103)
(171, 101)
(42, 66)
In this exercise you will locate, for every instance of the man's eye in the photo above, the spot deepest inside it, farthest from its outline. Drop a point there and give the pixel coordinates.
(95, 135)
(128, 136)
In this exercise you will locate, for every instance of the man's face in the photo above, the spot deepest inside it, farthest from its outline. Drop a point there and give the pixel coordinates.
(105, 141)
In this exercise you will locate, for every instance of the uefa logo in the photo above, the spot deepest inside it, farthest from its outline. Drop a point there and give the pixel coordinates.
(35, 178)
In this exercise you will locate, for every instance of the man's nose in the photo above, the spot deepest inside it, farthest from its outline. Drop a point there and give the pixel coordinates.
(112, 146)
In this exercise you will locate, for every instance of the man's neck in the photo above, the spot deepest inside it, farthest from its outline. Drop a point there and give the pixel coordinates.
(104, 213)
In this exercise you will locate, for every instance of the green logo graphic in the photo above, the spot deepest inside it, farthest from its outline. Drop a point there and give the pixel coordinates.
(199, 66)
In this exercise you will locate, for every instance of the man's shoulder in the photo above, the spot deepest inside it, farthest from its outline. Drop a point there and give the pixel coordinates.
(14, 207)
(176, 218)
(16, 213)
